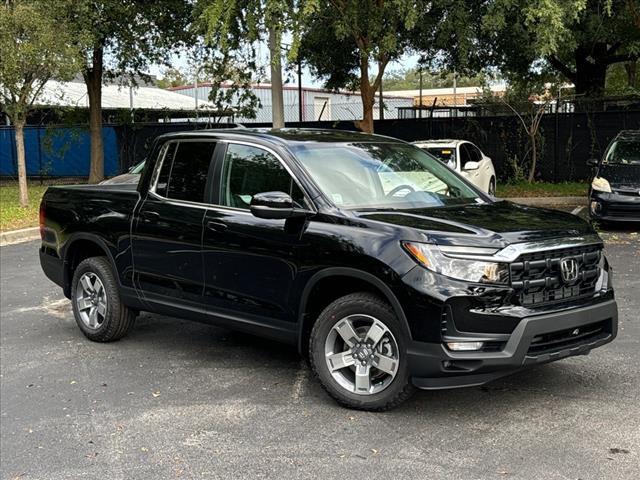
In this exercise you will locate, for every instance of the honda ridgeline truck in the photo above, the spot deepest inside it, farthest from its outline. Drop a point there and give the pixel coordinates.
(385, 267)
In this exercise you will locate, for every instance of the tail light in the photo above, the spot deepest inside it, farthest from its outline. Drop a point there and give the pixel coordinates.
(42, 219)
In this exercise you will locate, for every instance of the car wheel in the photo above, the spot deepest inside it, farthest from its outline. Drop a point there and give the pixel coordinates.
(96, 302)
(358, 352)
(492, 187)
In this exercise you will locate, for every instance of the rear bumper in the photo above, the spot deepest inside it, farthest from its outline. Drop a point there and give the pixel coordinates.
(52, 266)
(433, 366)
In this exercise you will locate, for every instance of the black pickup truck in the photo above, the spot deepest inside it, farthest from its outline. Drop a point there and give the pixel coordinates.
(385, 267)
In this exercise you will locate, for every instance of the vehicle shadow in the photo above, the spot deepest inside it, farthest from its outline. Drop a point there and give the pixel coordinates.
(215, 347)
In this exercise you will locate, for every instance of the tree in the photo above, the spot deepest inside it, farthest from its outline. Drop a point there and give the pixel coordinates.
(125, 36)
(33, 49)
(236, 26)
(580, 39)
(341, 39)
(172, 77)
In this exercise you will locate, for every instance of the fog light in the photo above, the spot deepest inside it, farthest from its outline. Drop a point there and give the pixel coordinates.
(464, 346)
(596, 207)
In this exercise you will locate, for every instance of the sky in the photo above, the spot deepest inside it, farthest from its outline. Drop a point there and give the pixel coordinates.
(181, 62)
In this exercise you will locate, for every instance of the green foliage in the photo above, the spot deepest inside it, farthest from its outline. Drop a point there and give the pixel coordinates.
(34, 48)
(233, 29)
(579, 39)
(132, 33)
(172, 78)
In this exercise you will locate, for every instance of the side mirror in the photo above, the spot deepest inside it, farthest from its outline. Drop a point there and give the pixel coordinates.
(592, 162)
(471, 166)
(274, 206)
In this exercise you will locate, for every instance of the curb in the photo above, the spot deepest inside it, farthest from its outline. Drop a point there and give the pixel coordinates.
(549, 201)
(18, 236)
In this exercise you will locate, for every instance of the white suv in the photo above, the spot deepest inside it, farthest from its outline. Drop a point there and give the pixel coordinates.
(465, 158)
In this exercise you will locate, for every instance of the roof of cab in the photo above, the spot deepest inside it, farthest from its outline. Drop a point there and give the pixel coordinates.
(286, 135)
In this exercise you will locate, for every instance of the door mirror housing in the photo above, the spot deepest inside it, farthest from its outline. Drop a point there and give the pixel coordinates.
(471, 165)
(274, 206)
(592, 162)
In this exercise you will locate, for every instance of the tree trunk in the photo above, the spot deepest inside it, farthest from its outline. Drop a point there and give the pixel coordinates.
(534, 158)
(591, 71)
(277, 101)
(93, 80)
(368, 99)
(22, 164)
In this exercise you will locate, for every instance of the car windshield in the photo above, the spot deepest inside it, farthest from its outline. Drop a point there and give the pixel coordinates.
(137, 168)
(383, 176)
(624, 152)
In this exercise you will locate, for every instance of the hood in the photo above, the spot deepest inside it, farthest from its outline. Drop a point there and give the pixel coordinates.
(124, 178)
(620, 175)
(495, 224)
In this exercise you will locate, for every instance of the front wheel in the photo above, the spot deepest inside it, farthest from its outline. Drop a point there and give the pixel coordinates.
(358, 352)
(97, 307)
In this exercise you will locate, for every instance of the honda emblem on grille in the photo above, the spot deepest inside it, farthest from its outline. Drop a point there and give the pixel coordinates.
(569, 269)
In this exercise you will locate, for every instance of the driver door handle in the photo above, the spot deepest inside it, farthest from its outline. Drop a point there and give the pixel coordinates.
(216, 226)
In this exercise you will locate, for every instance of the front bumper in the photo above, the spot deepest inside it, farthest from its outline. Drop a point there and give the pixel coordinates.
(433, 366)
(614, 207)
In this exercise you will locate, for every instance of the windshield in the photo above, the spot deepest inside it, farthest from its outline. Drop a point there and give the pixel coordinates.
(624, 152)
(446, 154)
(383, 176)
(137, 168)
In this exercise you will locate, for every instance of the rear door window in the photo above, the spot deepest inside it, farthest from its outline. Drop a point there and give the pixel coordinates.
(184, 171)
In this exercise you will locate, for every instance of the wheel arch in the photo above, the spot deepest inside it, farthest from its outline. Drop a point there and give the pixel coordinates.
(360, 281)
(79, 247)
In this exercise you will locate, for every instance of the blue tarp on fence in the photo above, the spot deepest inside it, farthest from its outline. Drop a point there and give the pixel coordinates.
(56, 151)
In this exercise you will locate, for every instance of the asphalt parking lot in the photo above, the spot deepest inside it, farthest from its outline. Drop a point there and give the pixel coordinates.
(181, 400)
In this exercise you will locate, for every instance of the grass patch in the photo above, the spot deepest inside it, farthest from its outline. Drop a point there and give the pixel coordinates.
(12, 215)
(542, 189)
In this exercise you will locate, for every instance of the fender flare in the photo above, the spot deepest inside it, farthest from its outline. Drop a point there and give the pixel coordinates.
(360, 275)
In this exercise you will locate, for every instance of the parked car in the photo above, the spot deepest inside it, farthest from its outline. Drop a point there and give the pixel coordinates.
(465, 158)
(385, 267)
(614, 195)
(131, 177)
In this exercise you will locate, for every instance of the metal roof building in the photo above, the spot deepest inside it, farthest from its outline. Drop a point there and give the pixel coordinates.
(317, 104)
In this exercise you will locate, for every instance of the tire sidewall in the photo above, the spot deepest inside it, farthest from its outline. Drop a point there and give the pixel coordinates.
(327, 319)
(99, 267)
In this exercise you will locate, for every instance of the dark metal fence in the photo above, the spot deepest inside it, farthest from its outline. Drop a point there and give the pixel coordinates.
(566, 141)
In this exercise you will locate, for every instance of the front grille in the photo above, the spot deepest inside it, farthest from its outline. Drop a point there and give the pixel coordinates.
(623, 211)
(537, 279)
(632, 193)
(568, 338)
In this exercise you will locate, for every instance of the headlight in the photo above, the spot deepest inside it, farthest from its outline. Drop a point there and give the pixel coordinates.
(601, 185)
(437, 260)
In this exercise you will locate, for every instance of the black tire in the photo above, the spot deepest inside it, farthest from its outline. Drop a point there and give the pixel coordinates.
(492, 187)
(400, 387)
(118, 319)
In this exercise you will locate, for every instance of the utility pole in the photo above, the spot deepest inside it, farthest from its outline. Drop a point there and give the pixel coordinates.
(455, 96)
(420, 107)
(299, 90)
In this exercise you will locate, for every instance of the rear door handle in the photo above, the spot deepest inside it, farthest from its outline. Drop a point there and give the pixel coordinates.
(216, 226)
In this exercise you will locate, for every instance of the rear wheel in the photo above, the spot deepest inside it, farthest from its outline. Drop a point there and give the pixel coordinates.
(96, 302)
(358, 352)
